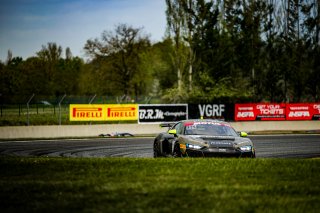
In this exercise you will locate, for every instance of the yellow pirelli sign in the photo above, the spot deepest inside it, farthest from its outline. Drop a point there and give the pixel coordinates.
(87, 112)
(103, 112)
(122, 112)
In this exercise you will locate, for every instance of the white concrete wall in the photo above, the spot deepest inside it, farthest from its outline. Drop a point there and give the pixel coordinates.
(251, 126)
(18, 132)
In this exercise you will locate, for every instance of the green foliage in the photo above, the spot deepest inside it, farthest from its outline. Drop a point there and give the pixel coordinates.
(259, 50)
(256, 48)
(118, 59)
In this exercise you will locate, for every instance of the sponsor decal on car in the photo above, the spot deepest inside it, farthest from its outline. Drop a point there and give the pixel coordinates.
(183, 148)
(193, 124)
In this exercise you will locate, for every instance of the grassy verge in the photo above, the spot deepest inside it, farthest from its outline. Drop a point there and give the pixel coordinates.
(158, 185)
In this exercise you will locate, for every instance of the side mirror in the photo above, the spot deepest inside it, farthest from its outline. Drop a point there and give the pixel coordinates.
(243, 134)
(172, 131)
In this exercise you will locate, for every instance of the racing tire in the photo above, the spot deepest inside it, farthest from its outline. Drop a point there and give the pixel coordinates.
(176, 151)
(253, 155)
(156, 153)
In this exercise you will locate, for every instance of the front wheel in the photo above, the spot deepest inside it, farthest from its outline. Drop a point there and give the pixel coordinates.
(253, 155)
(176, 151)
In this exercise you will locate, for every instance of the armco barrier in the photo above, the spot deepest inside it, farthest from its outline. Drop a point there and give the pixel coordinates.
(21, 132)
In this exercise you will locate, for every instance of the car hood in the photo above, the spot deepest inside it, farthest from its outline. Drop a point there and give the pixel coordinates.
(216, 141)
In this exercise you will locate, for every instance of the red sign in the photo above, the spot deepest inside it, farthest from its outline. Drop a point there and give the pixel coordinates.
(303, 111)
(245, 112)
(261, 111)
(268, 112)
(299, 111)
(315, 111)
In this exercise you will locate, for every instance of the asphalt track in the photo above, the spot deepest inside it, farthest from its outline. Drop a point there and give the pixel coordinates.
(271, 146)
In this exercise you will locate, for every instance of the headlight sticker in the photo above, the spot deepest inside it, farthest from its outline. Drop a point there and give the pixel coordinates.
(246, 148)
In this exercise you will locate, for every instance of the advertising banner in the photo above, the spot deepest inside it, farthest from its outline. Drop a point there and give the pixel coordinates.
(303, 111)
(103, 112)
(245, 112)
(299, 111)
(260, 111)
(211, 111)
(161, 113)
(87, 112)
(315, 107)
(270, 112)
(283, 111)
(118, 112)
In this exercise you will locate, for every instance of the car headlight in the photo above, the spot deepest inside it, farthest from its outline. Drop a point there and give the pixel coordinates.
(191, 146)
(245, 148)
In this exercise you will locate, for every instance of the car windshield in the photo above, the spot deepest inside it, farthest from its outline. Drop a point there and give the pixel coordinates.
(209, 128)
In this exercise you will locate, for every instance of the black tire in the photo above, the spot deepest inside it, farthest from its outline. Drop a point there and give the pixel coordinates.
(156, 151)
(176, 151)
(253, 155)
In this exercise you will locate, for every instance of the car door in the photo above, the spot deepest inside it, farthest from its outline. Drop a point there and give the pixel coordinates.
(179, 131)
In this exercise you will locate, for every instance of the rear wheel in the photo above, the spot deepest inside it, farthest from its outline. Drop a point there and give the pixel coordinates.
(156, 151)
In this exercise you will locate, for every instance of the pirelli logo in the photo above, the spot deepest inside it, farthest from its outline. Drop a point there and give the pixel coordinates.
(103, 112)
(122, 112)
(87, 112)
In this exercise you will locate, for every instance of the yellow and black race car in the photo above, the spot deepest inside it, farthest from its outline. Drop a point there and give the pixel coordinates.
(202, 138)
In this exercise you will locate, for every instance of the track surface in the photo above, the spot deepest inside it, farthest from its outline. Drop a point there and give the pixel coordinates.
(276, 146)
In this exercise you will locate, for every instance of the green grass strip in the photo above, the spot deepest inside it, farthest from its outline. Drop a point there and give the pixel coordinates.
(159, 185)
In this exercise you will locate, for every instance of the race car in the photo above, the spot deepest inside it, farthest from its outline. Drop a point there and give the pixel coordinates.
(202, 138)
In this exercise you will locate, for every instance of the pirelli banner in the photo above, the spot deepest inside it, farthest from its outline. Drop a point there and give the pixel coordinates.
(103, 112)
(282, 111)
(160, 113)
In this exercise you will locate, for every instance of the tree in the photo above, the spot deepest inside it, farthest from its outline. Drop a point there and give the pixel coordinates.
(121, 50)
(176, 24)
(50, 56)
(311, 35)
(14, 78)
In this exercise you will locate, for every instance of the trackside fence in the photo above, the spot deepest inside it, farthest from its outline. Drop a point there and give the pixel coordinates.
(43, 110)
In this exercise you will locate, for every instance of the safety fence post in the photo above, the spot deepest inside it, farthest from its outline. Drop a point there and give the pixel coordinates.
(60, 108)
(28, 116)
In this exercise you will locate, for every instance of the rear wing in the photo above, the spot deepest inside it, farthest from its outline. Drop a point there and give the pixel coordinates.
(167, 125)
